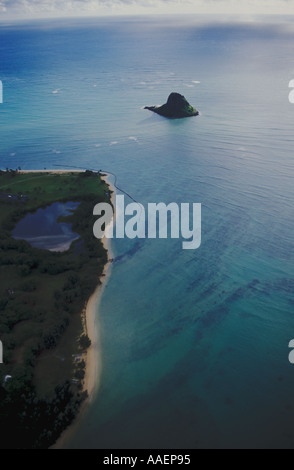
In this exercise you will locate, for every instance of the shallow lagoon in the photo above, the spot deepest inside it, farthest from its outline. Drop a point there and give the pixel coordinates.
(42, 229)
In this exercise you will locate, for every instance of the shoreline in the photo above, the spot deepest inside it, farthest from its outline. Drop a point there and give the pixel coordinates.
(93, 355)
(90, 319)
(61, 172)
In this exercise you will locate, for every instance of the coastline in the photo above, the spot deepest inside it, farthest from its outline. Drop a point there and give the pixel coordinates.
(93, 355)
(89, 313)
(58, 172)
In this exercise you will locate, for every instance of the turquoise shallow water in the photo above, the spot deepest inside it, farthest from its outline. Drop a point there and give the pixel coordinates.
(195, 343)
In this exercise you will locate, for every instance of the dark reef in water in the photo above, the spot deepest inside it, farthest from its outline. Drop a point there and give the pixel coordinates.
(176, 107)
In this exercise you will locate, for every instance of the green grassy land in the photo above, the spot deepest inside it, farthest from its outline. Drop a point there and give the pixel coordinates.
(42, 295)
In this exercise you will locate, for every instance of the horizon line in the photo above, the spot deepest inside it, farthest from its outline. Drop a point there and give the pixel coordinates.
(225, 15)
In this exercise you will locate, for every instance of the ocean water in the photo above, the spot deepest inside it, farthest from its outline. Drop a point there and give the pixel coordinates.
(195, 343)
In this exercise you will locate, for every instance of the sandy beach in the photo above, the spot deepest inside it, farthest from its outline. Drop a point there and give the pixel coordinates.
(93, 356)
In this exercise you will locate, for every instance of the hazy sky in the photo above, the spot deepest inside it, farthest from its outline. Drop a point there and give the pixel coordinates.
(10, 9)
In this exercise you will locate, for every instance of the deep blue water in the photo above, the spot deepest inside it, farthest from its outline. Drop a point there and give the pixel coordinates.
(195, 343)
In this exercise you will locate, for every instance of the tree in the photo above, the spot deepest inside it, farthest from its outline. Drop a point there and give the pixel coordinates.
(85, 342)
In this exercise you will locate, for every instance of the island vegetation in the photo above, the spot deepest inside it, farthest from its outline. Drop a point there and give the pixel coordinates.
(176, 107)
(42, 299)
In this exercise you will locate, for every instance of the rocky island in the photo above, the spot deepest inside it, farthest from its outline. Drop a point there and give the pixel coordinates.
(176, 107)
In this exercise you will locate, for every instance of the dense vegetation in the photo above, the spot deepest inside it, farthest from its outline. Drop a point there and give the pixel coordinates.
(42, 297)
(176, 107)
